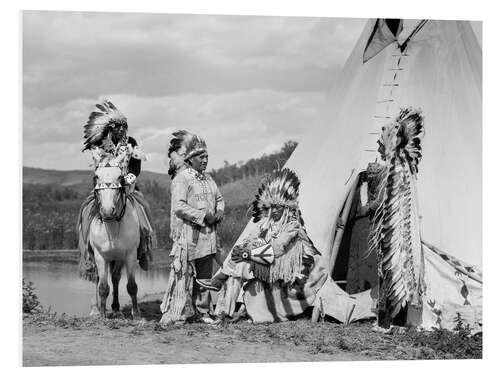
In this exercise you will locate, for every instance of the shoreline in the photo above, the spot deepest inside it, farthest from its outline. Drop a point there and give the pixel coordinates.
(161, 257)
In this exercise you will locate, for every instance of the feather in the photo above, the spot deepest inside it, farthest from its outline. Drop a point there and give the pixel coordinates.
(99, 124)
(393, 235)
(182, 146)
(101, 107)
(280, 188)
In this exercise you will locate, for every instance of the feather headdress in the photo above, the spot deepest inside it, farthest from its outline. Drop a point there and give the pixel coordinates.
(395, 232)
(183, 146)
(281, 189)
(402, 138)
(101, 122)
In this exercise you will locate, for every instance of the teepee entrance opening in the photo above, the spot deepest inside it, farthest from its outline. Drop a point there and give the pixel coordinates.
(354, 270)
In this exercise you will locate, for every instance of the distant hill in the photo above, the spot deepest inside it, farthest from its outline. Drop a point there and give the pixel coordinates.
(241, 192)
(238, 181)
(55, 177)
(235, 193)
(80, 180)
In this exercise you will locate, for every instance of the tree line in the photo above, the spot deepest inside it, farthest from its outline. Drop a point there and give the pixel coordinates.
(253, 167)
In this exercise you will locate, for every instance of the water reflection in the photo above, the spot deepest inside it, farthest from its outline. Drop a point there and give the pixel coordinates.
(58, 285)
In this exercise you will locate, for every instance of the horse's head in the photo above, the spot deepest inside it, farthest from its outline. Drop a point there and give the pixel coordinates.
(109, 188)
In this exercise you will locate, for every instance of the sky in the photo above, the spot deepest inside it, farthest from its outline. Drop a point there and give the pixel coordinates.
(246, 84)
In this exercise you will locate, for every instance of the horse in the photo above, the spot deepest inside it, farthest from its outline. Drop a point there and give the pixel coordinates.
(114, 236)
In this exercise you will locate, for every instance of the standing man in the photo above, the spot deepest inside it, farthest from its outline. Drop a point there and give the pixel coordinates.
(197, 207)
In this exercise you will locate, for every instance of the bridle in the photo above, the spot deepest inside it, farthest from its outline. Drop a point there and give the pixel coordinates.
(111, 185)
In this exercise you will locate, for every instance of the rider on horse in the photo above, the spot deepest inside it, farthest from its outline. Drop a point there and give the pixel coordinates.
(106, 137)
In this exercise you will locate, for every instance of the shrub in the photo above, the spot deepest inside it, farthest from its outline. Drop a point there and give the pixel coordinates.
(458, 344)
(31, 304)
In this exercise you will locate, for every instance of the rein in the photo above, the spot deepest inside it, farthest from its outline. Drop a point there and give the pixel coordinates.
(123, 198)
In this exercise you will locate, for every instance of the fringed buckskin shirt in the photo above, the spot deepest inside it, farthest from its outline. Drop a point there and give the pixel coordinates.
(194, 195)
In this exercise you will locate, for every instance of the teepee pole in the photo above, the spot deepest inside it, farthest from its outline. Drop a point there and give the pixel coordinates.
(339, 234)
(338, 237)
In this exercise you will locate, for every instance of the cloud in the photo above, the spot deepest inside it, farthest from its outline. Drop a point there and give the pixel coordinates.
(70, 55)
(244, 83)
(55, 155)
(236, 125)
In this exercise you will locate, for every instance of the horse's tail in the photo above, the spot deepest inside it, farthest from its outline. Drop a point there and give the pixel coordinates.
(115, 267)
(87, 269)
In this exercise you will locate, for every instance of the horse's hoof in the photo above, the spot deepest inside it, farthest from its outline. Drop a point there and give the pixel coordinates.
(94, 312)
(136, 315)
(117, 315)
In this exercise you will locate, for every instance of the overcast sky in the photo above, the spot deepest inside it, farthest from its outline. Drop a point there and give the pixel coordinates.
(244, 83)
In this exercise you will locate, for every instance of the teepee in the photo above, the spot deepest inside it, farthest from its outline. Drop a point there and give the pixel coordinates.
(434, 66)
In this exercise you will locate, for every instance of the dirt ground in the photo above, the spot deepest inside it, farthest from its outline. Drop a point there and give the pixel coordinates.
(56, 346)
(52, 340)
(60, 340)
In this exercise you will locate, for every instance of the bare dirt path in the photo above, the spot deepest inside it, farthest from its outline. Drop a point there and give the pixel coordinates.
(54, 340)
(58, 346)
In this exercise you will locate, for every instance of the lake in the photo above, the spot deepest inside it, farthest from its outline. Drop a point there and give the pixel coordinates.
(58, 285)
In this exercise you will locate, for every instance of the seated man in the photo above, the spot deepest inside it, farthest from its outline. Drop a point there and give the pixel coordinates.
(275, 265)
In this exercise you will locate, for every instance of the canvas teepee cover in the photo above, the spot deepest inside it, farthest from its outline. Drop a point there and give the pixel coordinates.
(439, 72)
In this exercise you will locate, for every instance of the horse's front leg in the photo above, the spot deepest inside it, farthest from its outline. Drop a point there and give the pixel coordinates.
(102, 286)
(131, 266)
(116, 273)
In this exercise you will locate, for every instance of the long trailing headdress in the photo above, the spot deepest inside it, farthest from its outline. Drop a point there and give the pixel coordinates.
(100, 123)
(280, 189)
(395, 232)
(183, 146)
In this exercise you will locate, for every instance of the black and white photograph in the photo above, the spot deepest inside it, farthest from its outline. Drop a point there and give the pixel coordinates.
(217, 188)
